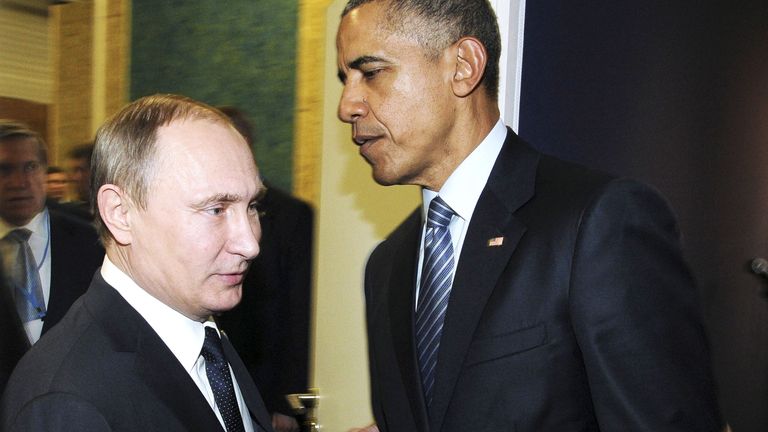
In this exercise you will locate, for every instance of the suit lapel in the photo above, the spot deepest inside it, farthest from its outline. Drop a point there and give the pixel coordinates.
(482, 260)
(154, 363)
(247, 387)
(401, 314)
(173, 386)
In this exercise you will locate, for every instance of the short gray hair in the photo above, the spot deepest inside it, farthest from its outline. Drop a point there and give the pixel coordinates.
(125, 149)
(12, 129)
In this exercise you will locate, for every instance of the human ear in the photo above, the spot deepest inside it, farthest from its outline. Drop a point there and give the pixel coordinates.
(114, 209)
(471, 59)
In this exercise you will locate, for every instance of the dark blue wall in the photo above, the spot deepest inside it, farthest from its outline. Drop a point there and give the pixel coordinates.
(676, 94)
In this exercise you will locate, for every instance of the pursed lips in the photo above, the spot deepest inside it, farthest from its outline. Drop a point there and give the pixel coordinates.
(233, 278)
(364, 140)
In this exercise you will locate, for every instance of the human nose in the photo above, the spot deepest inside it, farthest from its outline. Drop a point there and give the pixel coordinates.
(246, 234)
(352, 105)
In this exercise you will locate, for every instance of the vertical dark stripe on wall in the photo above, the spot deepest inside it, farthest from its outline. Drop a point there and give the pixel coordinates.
(234, 52)
(676, 94)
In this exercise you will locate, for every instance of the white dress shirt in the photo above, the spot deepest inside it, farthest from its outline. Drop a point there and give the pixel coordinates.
(40, 243)
(183, 336)
(461, 191)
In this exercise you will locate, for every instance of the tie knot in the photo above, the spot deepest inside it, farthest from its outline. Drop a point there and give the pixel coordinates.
(439, 213)
(212, 349)
(19, 235)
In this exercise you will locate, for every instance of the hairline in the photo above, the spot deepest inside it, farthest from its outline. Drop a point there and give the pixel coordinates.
(399, 16)
(160, 111)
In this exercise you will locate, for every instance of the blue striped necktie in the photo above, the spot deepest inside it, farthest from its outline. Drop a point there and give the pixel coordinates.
(217, 369)
(436, 278)
(28, 291)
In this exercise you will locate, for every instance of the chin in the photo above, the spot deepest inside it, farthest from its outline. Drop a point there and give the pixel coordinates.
(384, 179)
(227, 300)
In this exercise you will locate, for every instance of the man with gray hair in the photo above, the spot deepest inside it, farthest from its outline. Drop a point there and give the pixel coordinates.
(175, 192)
(48, 257)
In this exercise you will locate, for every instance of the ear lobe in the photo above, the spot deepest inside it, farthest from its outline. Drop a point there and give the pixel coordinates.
(114, 209)
(471, 59)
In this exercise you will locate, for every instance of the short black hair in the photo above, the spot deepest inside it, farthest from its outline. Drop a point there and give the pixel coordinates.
(436, 24)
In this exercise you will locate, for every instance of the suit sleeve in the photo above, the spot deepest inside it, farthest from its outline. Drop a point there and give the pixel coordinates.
(376, 407)
(59, 412)
(635, 311)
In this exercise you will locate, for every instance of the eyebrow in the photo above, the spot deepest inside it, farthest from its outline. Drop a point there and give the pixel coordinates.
(220, 198)
(260, 194)
(358, 63)
(223, 198)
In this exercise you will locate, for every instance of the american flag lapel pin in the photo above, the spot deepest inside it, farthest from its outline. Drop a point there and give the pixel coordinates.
(496, 241)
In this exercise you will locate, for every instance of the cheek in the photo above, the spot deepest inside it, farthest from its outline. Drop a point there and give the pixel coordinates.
(397, 112)
(199, 246)
(39, 182)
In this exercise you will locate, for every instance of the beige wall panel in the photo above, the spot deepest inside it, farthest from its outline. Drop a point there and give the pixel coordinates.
(73, 78)
(354, 215)
(25, 67)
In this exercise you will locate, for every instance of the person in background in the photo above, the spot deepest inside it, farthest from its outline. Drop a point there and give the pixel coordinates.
(270, 326)
(526, 293)
(48, 257)
(57, 184)
(78, 165)
(175, 192)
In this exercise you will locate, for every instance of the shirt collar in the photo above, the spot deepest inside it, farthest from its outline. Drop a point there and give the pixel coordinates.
(37, 225)
(463, 187)
(183, 336)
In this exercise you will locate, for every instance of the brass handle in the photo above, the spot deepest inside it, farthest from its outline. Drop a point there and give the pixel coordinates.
(305, 404)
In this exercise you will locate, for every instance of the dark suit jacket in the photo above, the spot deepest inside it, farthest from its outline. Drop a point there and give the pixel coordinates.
(13, 339)
(585, 318)
(76, 254)
(103, 368)
(270, 326)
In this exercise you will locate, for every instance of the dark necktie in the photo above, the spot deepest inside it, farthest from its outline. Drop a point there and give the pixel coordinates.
(27, 289)
(217, 369)
(436, 275)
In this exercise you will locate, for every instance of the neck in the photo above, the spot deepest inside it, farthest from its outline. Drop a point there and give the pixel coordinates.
(472, 124)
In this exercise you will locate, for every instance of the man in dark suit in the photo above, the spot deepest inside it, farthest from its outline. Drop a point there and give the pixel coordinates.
(13, 342)
(270, 326)
(66, 250)
(176, 190)
(539, 295)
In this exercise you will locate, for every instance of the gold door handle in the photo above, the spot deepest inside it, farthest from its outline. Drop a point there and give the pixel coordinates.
(305, 404)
